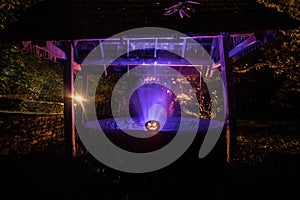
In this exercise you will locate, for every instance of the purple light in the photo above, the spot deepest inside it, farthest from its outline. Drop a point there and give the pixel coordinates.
(151, 102)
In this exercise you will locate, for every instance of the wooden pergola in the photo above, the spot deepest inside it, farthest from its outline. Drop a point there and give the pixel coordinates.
(230, 30)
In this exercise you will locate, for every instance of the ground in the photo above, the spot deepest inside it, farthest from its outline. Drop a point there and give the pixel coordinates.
(265, 165)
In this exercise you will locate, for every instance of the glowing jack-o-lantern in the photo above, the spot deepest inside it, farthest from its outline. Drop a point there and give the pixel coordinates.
(152, 125)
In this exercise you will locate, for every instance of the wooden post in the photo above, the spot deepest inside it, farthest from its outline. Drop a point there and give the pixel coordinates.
(230, 101)
(68, 78)
(84, 96)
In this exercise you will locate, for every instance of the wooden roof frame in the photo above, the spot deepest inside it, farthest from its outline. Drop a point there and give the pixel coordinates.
(31, 29)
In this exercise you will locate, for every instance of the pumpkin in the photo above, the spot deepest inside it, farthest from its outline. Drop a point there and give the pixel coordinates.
(152, 125)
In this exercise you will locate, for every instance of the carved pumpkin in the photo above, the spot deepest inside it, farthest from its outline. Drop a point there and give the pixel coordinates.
(152, 125)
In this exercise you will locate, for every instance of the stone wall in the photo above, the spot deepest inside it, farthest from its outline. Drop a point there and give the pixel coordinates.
(28, 133)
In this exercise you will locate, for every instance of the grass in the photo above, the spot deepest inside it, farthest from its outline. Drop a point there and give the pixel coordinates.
(265, 164)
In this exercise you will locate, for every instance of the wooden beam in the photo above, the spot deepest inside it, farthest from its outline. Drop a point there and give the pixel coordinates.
(68, 78)
(240, 47)
(183, 48)
(144, 62)
(230, 101)
(155, 48)
(101, 49)
(148, 38)
(25, 43)
(214, 50)
(54, 50)
(84, 95)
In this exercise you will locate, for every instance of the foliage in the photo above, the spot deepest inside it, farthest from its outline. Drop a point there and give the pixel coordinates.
(23, 76)
(26, 76)
(289, 6)
(10, 10)
(281, 56)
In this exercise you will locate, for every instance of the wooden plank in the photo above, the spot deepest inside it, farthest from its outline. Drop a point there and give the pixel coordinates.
(25, 43)
(54, 50)
(240, 47)
(146, 62)
(84, 95)
(230, 101)
(68, 78)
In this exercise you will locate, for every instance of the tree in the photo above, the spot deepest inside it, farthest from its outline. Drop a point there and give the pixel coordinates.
(10, 10)
(280, 57)
(23, 75)
(27, 76)
(289, 6)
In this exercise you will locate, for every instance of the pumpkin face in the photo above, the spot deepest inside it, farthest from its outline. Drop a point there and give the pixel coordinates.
(152, 125)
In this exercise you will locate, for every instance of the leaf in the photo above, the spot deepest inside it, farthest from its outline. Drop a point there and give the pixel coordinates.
(3, 5)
